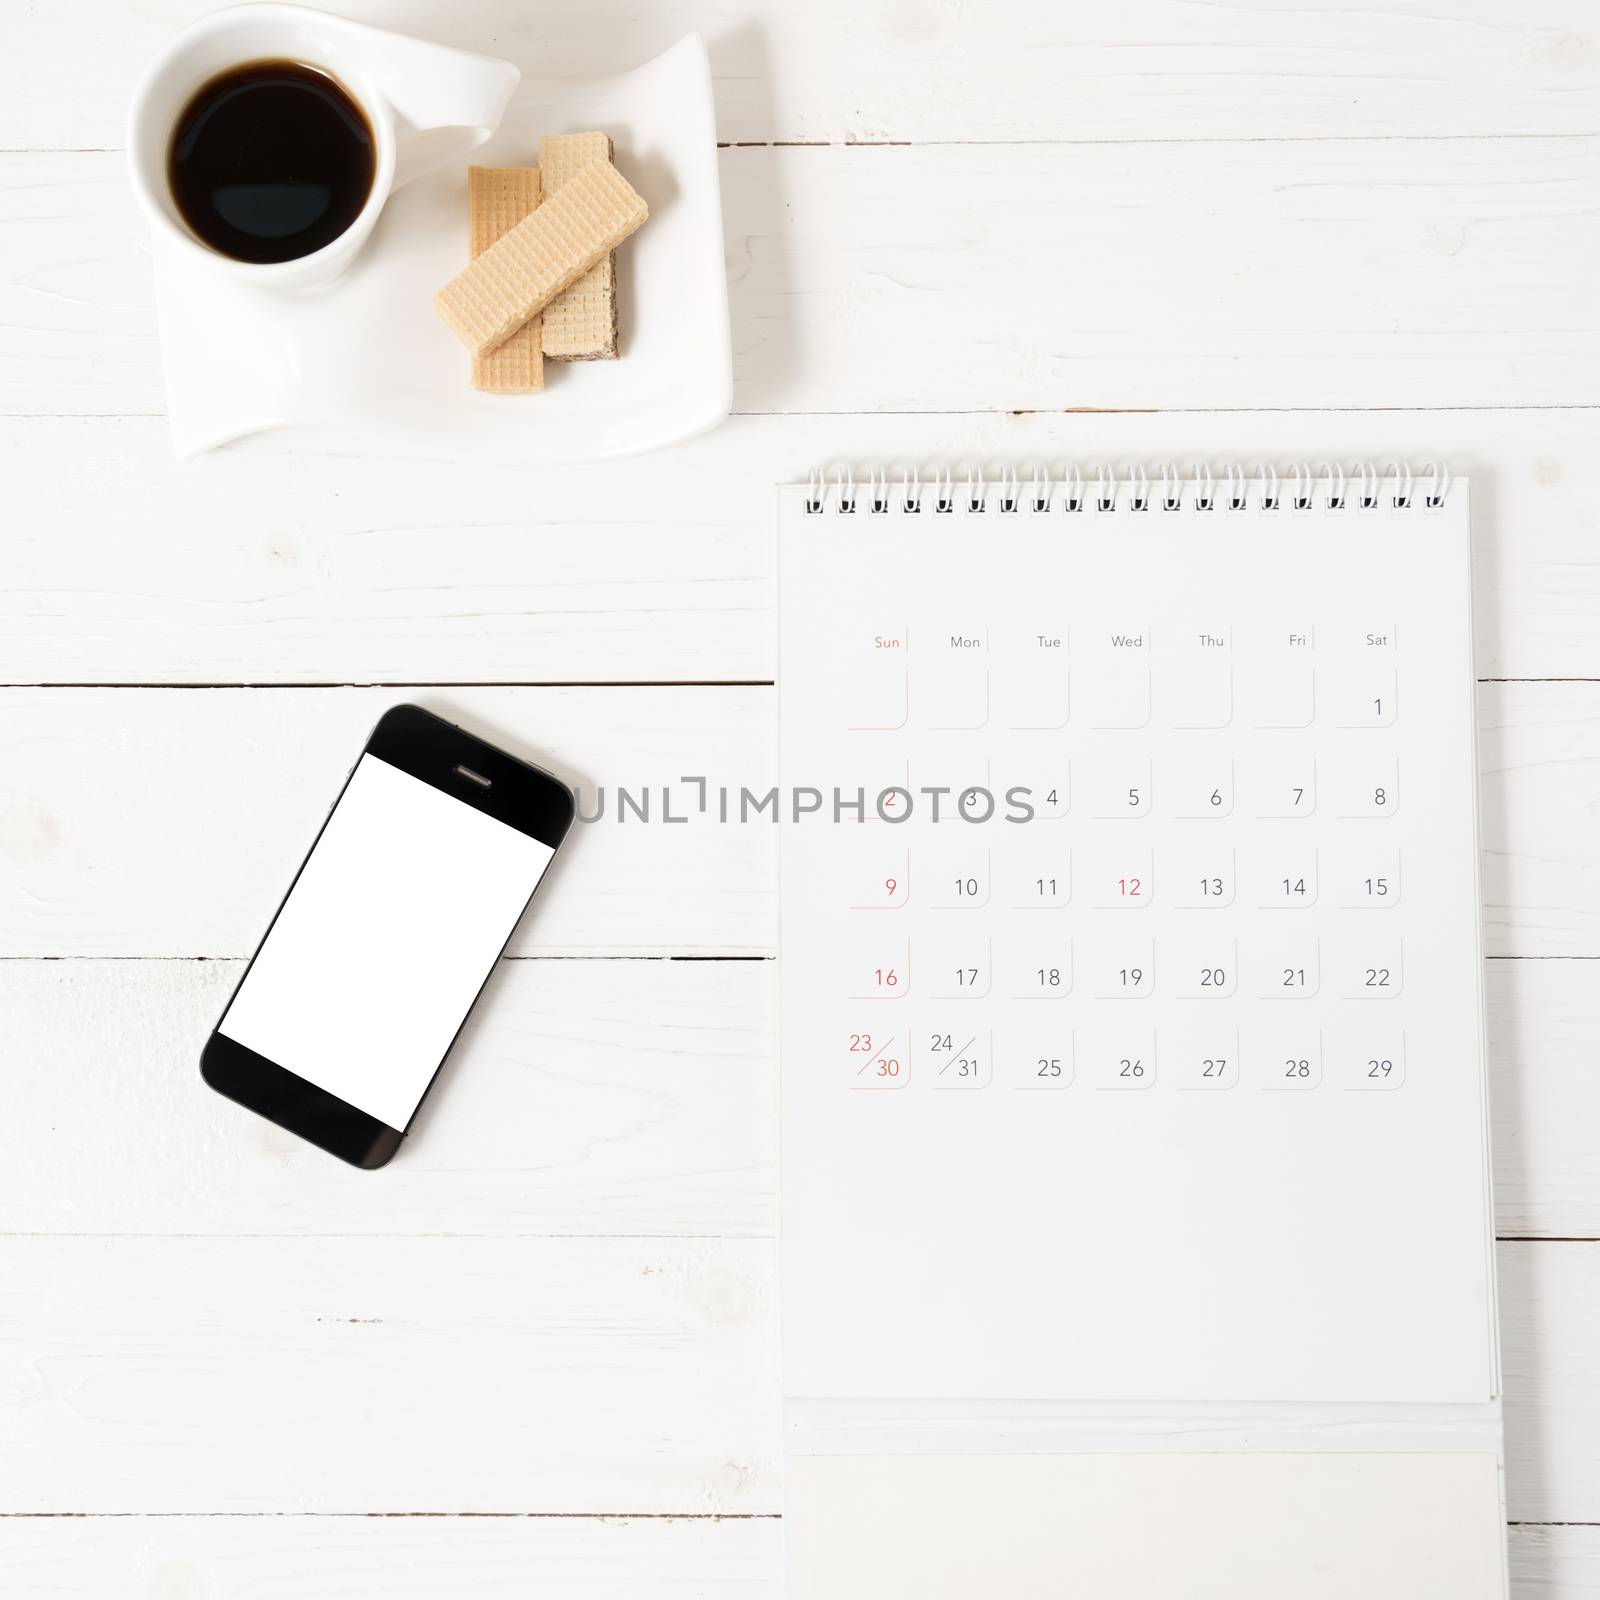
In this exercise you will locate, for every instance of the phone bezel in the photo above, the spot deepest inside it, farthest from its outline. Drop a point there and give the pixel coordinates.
(427, 747)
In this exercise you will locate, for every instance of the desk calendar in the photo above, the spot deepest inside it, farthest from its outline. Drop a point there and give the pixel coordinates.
(1132, 1024)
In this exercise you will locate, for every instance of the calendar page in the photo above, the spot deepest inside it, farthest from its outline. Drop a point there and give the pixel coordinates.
(1131, 974)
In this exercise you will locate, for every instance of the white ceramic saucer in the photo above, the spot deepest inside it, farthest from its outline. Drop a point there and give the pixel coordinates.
(369, 354)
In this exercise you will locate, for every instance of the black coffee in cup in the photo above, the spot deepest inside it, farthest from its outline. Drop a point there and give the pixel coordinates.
(271, 161)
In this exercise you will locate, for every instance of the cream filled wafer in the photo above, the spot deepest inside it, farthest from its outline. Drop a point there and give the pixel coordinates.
(580, 324)
(498, 198)
(552, 247)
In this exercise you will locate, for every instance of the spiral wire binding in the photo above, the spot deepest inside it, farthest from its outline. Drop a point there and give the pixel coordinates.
(1326, 487)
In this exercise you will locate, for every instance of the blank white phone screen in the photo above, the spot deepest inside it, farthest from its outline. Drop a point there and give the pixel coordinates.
(384, 941)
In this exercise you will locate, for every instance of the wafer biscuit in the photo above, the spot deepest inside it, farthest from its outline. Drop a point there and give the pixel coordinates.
(549, 249)
(580, 324)
(498, 198)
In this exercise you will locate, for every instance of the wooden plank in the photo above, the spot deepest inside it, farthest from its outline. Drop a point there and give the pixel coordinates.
(1024, 69)
(388, 1374)
(630, 1098)
(106, 789)
(442, 1558)
(282, 564)
(166, 822)
(376, 1558)
(1555, 1563)
(1450, 258)
(77, 325)
(1544, 1019)
(983, 277)
(1549, 1317)
(556, 1376)
(123, 566)
(1538, 787)
(620, 1098)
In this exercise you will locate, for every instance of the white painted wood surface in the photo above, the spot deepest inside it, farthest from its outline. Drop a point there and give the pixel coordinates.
(266, 564)
(1215, 212)
(935, 278)
(459, 1374)
(509, 1558)
(573, 1375)
(836, 71)
(358, 1558)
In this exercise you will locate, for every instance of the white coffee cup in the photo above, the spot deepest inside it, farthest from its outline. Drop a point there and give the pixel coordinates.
(427, 104)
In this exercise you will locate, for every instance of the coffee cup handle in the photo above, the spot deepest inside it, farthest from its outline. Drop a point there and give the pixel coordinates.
(446, 102)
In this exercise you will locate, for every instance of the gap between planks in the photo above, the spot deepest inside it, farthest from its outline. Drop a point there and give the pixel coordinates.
(589, 956)
(676, 1237)
(464, 1516)
(529, 683)
(957, 411)
(484, 683)
(731, 956)
(528, 1516)
(998, 144)
(1079, 411)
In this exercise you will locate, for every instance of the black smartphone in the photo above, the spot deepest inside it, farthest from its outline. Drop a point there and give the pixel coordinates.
(388, 933)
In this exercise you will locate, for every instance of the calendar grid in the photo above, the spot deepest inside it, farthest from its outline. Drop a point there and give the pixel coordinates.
(1148, 893)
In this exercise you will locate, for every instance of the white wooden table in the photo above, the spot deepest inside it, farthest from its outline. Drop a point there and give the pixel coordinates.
(536, 1355)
